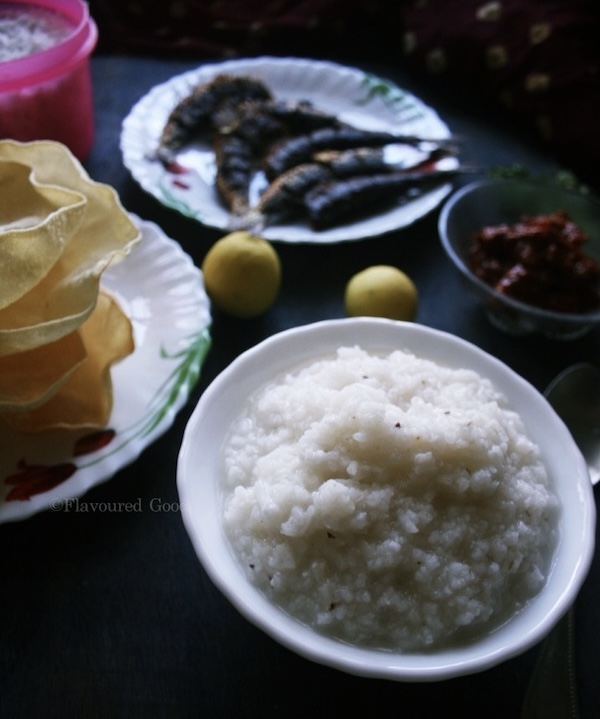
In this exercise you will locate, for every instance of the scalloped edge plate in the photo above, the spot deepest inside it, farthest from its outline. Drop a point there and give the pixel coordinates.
(357, 97)
(163, 294)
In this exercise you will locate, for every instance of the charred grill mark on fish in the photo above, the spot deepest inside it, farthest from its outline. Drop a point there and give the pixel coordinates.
(235, 167)
(240, 143)
(301, 116)
(334, 201)
(241, 119)
(351, 162)
(226, 103)
(301, 149)
(284, 196)
(254, 126)
(207, 105)
(264, 123)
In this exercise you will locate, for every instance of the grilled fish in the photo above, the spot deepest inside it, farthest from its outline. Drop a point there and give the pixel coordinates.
(337, 201)
(301, 149)
(209, 105)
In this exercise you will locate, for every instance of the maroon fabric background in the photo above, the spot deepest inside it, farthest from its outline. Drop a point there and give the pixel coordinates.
(538, 59)
(242, 28)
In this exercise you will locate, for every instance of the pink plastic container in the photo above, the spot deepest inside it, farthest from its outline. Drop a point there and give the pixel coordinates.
(47, 95)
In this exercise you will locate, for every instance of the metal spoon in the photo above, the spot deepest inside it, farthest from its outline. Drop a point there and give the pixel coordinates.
(575, 395)
(552, 690)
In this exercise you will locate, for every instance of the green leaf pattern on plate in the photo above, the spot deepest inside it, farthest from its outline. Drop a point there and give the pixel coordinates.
(182, 379)
(391, 96)
(174, 201)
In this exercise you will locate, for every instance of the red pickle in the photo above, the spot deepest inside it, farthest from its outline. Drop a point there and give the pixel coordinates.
(540, 261)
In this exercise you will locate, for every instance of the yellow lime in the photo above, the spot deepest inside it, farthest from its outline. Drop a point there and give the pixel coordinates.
(381, 291)
(242, 274)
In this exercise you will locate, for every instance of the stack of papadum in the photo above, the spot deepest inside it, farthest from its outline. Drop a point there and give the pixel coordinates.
(59, 331)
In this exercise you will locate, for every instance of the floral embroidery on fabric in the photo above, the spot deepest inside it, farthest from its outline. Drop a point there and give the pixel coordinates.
(436, 60)
(490, 12)
(409, 42)
(539, 32)
(496, 56)
(537, 82)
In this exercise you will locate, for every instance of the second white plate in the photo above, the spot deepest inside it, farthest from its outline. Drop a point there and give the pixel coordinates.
(162, 293)
(356, 97)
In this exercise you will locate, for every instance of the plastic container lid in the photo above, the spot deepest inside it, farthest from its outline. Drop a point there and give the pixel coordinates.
(48, 64)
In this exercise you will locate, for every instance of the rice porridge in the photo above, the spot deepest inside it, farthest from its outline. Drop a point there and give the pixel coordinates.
(388, 501)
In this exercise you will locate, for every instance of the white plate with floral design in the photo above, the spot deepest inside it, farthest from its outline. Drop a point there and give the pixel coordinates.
(356, 97)
(163, 294)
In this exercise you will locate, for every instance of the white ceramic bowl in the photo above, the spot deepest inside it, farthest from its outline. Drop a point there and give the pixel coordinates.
(198, 484)
(493, 202)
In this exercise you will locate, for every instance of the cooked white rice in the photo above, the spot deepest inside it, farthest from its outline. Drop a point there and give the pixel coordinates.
(388, 501)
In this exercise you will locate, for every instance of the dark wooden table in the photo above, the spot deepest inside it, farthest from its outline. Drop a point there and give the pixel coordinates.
(111, 615)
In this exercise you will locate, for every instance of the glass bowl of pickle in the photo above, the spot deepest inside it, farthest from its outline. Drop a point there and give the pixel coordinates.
(529, 252)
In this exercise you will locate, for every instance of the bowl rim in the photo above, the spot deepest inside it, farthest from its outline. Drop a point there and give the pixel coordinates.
(23, 73)
(198, 499)
(522, 307)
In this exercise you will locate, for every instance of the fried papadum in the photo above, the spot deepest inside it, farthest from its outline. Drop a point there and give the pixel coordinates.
(66, 294)
(36, 221)
(28, 379)
(86, 398)
(59, 333)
